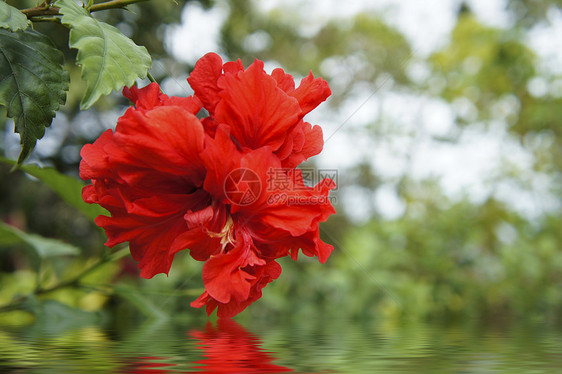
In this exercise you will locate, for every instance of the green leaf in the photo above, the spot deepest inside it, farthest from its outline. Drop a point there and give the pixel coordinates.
(108, 58)
(141, 302)
(55, 317)
(8, 238)
(70, 189)
(43, 247)
(32, 83)
(11, 18)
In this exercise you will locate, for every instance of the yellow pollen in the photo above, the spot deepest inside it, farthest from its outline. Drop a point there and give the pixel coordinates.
(226, 234)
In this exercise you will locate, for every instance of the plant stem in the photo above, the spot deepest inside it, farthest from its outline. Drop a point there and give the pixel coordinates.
(45, 19)
(113, 4)
(46, 9)
(151, 78)
(18, 302)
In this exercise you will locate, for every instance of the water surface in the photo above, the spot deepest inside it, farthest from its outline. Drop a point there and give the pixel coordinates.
(313, 346)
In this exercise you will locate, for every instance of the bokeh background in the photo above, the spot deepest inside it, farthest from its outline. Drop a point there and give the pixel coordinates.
(444, 127)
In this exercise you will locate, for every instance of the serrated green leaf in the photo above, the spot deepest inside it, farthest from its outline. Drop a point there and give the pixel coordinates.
(108, 58)
(43, 247)
(33, 83)
(11, 18)
(70, 189)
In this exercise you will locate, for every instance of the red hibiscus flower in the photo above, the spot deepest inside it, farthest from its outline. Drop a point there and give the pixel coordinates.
(225, 187)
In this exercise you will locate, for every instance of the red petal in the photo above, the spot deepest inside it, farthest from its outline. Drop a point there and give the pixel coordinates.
(311, 92)
(168, 139)
(262, 274)
(144, 98)
(286, 149)
(95, 161)
(203, 80)
(201, 238)
(220, 158)
(191, 104)
(149, 97)
(152, 226)
(224, 277)
(285, 203)
(258, 112)
(147, 175)
(201, 300)
(306, 141)
(233, 67)
(284, 81)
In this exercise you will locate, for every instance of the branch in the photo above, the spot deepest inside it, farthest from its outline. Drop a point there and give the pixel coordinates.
(113, 4)
(45, 19)
(46, 9)
(19, 301)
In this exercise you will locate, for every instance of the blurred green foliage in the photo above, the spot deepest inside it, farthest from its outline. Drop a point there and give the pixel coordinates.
(443, 258)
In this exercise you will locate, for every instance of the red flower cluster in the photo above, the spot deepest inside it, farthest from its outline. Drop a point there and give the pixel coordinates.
(172, 181)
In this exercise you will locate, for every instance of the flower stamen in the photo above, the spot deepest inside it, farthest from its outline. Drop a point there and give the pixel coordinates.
(226, 235)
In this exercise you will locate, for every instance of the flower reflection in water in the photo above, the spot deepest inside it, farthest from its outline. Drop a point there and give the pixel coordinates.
(226, 347)
(151, 365)
(230, 348)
